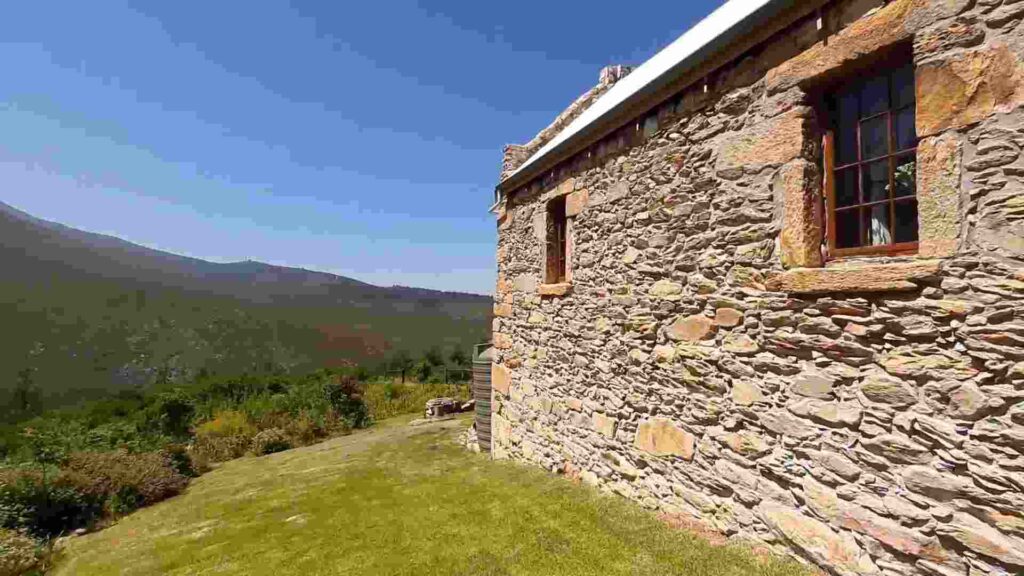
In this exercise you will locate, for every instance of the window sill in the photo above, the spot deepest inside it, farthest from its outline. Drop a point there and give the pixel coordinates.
(560, 289)
(852, 277)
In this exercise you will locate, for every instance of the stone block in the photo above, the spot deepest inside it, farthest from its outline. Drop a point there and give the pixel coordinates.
(666, 290)
(907, 541)
(854, 278)
(898, 449)
(772, 142)
(604, 425)
(660, 437)
(728, 317)
(797, 187)
(821, 499)
(525, 283)
(500, 378)
(503, 310)
(746, 443)
(938, 195)
(739, 344)
(817, 541)
(883, 389)
(501, 341)
(746, 393)
(984, 539)
(967, 88)
(576, 202)
(813, 384)
(690, 328)
(828, 413)
(865, 36)
(554, 289)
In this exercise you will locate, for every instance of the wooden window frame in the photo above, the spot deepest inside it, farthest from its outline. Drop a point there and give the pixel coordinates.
(830, 171)
(557, 242)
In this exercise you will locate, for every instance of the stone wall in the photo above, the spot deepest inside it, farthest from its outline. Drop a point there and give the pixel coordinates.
(868, 415)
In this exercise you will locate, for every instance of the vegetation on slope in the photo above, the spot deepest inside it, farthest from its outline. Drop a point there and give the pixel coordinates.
(79, 468)
(398, 500)
(87, 315)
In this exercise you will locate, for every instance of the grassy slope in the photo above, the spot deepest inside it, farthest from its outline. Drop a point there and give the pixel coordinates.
(396, 500)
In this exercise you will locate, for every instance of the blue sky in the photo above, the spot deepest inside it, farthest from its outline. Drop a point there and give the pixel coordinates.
(359, 138)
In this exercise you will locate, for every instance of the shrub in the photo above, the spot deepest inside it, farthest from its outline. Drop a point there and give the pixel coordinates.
(181, 460)
(171, 413)
(18, 553)
(225, 437)
(44, 507)
(303, 430)
(344, 396)
(220, 449)
(269, 441)
(226, 424)
(123, 480)
(408, 398)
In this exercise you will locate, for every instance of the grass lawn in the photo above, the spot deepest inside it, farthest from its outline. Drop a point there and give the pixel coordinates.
(397, 500)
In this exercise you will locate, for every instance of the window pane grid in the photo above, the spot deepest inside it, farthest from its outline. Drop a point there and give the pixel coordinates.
(864, 216)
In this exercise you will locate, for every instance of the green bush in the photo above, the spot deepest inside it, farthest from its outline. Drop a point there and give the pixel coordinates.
(44, 507)
(18, 553)
(171, 413)
(269, 441)
(344, 396)
(125, 481)
(181, 461)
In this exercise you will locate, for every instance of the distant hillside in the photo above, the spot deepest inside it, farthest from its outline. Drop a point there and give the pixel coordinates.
(85, 314)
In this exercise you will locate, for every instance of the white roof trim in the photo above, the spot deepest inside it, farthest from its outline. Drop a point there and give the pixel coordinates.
(707, 30)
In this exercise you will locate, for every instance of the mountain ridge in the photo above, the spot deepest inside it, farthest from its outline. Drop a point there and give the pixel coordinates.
(90, 314)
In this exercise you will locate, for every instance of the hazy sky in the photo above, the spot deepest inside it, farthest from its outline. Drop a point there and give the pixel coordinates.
(360, 138)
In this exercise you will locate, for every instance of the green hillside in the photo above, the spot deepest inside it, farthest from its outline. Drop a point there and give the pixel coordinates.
(87, 315)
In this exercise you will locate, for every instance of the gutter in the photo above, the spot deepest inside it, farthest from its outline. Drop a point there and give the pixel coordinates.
(645, 87)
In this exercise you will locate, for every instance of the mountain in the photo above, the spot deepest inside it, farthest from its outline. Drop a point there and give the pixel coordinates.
(87, 314)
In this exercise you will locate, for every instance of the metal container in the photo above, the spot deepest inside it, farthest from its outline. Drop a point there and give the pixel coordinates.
(483, 354)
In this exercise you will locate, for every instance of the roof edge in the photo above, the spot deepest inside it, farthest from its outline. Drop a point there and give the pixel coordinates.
(644, 87)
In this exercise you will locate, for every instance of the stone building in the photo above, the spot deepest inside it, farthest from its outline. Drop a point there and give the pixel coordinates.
(773, 278)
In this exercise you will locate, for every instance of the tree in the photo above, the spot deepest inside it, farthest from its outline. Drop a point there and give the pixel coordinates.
(401, 362)
(434, 357)
(458, 357)
(26, 399)
(423, 370)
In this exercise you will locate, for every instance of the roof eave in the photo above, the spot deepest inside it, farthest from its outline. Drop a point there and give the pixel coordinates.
(650, 94)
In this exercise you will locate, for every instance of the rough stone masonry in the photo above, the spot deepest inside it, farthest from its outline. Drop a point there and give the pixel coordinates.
(865, 414)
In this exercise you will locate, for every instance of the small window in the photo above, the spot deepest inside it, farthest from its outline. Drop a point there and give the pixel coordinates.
(870, 156)
(556, 242)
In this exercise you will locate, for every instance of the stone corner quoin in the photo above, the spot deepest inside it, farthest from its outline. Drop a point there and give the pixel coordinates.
(864, 413)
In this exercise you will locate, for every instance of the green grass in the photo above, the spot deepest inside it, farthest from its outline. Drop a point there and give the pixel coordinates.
(397, 500)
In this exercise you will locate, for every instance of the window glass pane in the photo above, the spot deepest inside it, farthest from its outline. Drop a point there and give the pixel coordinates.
(650, 126)
(903, 86)
(847, 229)
(903, 127)
(846, 187)
(846, 130)
(874, 96)
(876, 223)
(906, 176)
(875, 181)
(874, 140)
(906, 220)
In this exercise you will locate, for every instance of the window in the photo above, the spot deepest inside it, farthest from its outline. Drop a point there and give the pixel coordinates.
(870, 156)
(557, 229)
